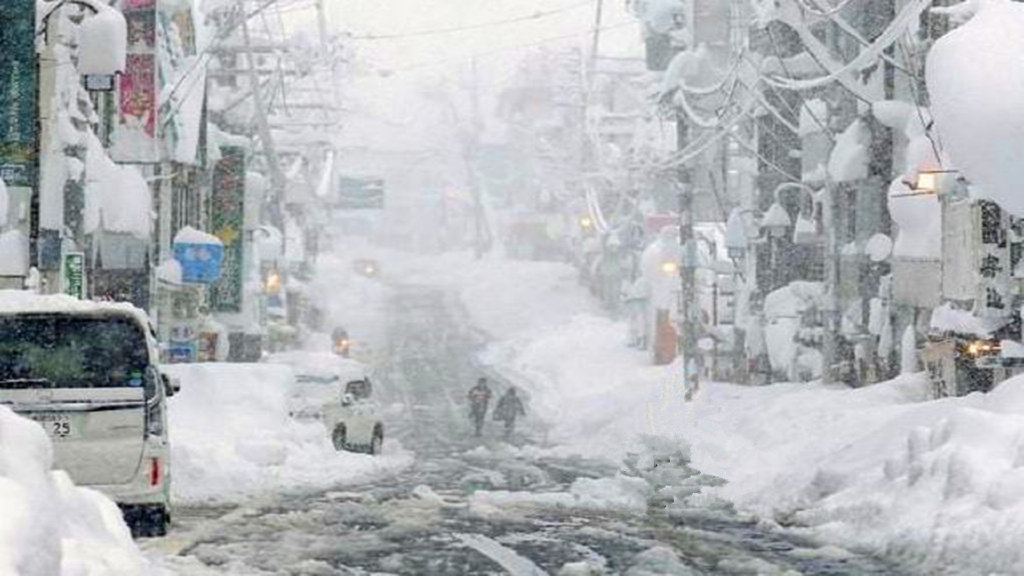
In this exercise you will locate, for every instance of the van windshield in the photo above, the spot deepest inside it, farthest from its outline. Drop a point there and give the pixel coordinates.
(56, 351)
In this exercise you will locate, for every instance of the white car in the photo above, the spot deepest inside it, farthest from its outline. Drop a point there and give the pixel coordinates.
(87, 373)
(339, 392)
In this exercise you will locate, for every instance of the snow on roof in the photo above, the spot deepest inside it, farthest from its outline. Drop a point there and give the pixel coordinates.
(776, 217)
(849, 158)
(23, 301)
(975, 77)
(320, 363)
(945, 318)
(189, 235)
(117, 198)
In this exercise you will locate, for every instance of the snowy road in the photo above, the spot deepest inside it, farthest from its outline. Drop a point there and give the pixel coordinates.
(427, 520)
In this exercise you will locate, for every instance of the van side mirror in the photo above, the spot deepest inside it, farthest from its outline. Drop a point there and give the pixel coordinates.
(171, 385)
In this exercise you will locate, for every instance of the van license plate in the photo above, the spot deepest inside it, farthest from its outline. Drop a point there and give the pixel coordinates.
(58, 426)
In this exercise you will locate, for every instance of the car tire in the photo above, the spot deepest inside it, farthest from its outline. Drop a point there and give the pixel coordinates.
(147, 521)
(338, 437)
(377, 444)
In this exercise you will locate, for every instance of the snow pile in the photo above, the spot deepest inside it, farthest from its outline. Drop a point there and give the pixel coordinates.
(49, 526)
(117, 198)
(849, 158)
(103, 38)
(975, 77)
(189, 235)
(946, 318)
(232, 439)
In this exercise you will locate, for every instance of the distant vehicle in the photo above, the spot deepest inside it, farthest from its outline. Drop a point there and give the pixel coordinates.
(87, 373)
(338, 392)
(340, 343)
(366, 267)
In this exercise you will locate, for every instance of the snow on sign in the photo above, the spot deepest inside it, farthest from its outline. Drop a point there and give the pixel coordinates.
(200, 255)
(360, 193)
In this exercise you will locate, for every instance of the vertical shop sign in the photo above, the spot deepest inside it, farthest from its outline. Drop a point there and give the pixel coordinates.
(228, 223)
(134, 136)
(993, 266)
(72, 274)
(18, 100)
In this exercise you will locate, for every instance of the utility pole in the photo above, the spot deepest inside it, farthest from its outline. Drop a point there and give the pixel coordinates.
(321, 23)
(472, 149)
(277, 178)
(830, 342)
(689, 306)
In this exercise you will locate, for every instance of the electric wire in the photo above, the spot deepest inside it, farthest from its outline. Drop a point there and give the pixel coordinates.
(482, 25)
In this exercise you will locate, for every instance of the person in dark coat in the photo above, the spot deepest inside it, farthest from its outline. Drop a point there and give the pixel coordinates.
(479, 398)
(509, 407)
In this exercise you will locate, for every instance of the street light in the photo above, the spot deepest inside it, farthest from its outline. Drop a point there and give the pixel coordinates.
(776, 221)
(586, 222)
(102, 43)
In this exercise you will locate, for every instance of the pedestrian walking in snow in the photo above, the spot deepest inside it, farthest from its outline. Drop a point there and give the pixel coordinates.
(509, 407)
(479, 398)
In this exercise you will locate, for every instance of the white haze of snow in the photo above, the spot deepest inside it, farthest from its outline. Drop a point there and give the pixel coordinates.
(232, 438)
(51, 527)
(975, 77)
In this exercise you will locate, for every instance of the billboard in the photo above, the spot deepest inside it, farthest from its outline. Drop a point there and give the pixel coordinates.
(18, 98)
(134, 137)
(227, 220)
(360, 193)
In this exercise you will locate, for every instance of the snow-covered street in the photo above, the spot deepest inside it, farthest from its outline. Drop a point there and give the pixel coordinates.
(482, 507)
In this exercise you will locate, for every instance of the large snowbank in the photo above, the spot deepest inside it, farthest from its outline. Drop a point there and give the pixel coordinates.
(932, 483)
(232, 438)
(935, 484)
(48, 526)
(975, 77)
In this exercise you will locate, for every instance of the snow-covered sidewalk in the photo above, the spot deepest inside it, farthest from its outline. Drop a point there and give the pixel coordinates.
(49, 526)
(936, 485)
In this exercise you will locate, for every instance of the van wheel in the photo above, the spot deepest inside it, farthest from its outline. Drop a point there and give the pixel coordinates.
(147, 521)
(377, 444)
(338, 437)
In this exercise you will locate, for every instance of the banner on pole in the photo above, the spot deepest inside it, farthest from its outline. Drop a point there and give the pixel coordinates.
(227, 219)
(134, 135)
(19, 135)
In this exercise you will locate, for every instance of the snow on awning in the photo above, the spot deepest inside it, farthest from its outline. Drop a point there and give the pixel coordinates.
(117, 198)
(189, 235)
(945, 318)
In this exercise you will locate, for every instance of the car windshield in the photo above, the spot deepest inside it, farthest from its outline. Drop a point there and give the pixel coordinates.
(71, 352)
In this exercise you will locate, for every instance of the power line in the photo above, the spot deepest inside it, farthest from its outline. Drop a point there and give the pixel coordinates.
(510, 48)
(455, 29)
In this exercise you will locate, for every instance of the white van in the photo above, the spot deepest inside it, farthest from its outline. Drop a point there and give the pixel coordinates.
(338, 392)
(87, 373)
